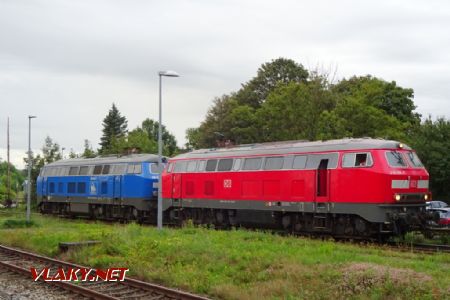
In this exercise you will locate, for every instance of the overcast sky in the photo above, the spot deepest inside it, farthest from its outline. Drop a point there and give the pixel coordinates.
(67, 61)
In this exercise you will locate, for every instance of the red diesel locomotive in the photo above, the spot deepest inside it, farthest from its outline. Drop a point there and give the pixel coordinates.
(348, 187)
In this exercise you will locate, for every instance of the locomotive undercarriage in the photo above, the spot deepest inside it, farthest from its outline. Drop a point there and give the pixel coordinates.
(295, 223)
(397, 222)
(108, 212)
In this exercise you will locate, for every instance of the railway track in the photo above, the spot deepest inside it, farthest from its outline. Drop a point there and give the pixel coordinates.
(427, 248)
(20, 262)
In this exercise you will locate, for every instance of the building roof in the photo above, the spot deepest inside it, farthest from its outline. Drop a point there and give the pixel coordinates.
(287, 147)
(134, 158)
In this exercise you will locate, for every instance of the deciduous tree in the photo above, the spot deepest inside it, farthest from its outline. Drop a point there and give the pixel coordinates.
(432, 143)
(269, 76)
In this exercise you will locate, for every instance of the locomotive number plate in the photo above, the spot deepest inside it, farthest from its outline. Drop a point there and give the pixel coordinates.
(227, 183)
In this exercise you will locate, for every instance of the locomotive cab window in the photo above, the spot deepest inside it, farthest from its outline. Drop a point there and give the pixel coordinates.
(414, 160)
(395, 159)
(225, 164)
(355, 160)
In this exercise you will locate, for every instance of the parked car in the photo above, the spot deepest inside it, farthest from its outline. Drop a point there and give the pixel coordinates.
(436, 204)
(444, 217)
(441, 217)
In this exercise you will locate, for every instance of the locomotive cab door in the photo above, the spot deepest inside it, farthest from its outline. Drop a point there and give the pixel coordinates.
(322, 183)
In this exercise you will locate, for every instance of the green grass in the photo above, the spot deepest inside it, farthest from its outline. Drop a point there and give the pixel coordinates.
(240, 264)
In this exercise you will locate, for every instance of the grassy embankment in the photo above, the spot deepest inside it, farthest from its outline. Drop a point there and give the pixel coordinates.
(240, 264)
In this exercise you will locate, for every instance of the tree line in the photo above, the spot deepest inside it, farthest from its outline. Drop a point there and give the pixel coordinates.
(284, 101)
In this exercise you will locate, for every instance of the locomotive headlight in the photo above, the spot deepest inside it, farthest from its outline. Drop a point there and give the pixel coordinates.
(425, 197)
(398, 197)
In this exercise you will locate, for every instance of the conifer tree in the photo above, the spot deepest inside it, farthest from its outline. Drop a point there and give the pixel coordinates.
(114, 127)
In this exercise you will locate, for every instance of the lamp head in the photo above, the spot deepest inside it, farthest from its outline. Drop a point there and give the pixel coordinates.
(168, 73)
(31, 117)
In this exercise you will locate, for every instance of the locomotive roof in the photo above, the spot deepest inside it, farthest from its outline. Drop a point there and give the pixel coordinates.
(286, 147)
(134, 158)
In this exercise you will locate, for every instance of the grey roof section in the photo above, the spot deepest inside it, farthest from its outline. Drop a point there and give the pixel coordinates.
(134, 158)
(287, 147)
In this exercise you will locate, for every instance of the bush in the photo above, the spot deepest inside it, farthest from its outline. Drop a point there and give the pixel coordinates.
(10, 224)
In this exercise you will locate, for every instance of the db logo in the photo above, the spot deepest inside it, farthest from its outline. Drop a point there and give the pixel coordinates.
(227, 183)
(413, 184)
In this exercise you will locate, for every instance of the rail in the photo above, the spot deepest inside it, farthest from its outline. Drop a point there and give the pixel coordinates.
(20, 262)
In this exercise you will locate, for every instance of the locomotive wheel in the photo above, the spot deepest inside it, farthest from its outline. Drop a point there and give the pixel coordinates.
(232, 217)
(220, 217)
(360, 226)
(286, 221)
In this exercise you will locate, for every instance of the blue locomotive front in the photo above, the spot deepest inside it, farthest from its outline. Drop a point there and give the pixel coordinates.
(104, 188)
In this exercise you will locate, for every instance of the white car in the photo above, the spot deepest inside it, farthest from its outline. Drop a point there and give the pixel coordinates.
(436, 204)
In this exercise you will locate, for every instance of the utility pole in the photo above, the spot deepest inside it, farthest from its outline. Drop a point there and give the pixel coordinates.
(160, 165)
(8, 173)
(29, 170)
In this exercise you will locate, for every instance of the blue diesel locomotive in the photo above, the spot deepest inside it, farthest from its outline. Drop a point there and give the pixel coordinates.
(104, 188)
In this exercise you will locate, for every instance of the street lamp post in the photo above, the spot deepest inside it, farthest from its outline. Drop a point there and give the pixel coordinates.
(62, 152)
(29, 169)
(161, 74)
